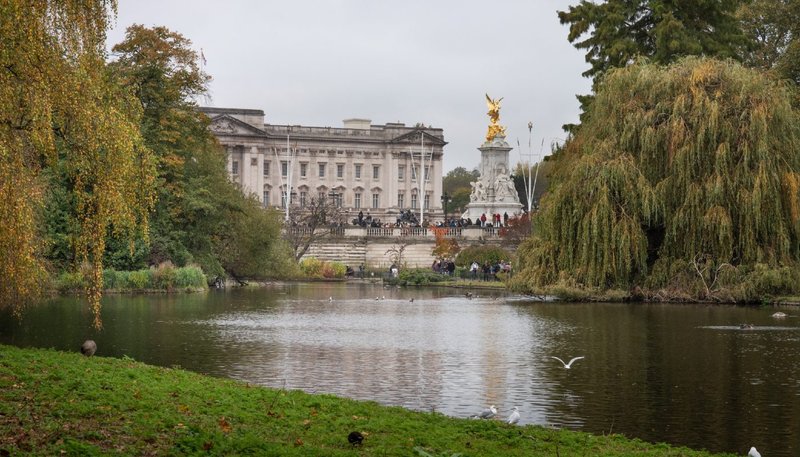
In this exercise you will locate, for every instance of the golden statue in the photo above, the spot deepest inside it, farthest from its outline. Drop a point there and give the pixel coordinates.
(495, 128)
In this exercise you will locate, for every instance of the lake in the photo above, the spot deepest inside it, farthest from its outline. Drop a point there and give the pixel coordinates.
(682, 374)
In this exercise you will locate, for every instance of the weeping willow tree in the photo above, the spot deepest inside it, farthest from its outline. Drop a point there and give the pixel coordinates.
(58, 106)
(690, 167)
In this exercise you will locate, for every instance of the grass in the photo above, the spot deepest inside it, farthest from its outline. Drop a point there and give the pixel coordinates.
(55, 403)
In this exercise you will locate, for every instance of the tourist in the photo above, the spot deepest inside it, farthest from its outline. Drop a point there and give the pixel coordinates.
(483, 220)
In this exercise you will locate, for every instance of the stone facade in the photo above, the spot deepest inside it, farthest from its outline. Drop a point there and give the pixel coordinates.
(364, 167)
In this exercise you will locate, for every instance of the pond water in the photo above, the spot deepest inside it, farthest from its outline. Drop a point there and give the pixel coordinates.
(682, 374)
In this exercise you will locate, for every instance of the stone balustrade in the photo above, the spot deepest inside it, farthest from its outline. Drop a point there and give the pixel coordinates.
(416, 233)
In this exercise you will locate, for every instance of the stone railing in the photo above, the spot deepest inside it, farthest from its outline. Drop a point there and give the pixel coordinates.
(416, 233)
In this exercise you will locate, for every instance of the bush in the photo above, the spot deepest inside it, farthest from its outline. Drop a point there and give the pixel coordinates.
(311, 267)
(419, 277)
(482, 254)
(315, 268)
(140, 279)
(70, 281)
(163, 276)
(190, 277)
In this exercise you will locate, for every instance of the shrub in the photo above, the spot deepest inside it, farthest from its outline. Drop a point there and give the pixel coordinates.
(70, 281)
(311, 267)
(191, 276)
(140, 279)
(482, 254)
(420, 277)
(163, 276)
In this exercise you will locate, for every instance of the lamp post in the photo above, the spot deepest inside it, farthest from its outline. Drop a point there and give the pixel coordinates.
(445, 200)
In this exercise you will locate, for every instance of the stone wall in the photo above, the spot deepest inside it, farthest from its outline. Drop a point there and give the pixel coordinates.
(371, 246)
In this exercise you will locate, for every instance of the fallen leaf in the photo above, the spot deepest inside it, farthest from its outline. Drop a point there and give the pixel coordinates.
(224, 425)
(298, 442)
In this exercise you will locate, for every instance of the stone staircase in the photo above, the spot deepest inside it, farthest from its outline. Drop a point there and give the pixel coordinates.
(349, 252)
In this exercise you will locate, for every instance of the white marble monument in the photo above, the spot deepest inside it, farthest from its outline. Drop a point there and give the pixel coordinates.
(494, 191)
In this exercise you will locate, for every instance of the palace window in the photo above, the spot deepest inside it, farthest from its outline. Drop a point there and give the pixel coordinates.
(283, 199)
(413, 201)
(358, 171)
(322, 170)
(427, 201)
(266, 169)
(413, 173)
(376, 172)
(376, 200)
(401, 172)
(322, 196)
(357, 200)
(303, 170)
(284, 169)
(235, 168)
(339, 170)
(303, 199)
(253, 161)
(265, 202)
(401, 200)
(427, 173)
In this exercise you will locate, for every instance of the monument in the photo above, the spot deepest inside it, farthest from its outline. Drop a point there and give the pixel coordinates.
(494, 191)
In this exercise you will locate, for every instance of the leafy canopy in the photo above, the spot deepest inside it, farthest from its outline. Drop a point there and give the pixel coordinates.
(58, 106)
(696, 160)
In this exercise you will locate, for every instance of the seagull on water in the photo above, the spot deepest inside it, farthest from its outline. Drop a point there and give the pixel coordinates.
(514, 417)
(330, 299)
(567, 365)
(753, 452)
(779, 315)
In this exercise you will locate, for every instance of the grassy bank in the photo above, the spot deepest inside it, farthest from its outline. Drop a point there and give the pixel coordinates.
(164, 278)
(54, 403)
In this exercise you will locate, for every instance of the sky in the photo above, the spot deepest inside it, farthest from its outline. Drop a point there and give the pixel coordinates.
(319, 62)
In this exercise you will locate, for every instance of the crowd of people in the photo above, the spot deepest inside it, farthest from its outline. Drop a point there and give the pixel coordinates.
(493, 220)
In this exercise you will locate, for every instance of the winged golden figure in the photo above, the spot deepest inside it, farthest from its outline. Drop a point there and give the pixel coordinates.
(495, 128)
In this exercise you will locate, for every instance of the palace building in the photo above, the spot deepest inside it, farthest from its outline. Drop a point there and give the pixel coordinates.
(374, 169)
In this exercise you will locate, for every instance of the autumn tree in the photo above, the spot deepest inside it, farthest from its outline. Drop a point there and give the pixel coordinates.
(444, 247)
(58, 106)
(679, 171)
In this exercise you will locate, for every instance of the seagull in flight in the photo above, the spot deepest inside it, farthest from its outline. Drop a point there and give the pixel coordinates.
(514, 417)
(567, 365)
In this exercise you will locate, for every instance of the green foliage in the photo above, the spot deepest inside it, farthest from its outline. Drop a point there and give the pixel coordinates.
(200, 217)
(176, 412)
(190, 277)
(482, 254)
(420, 277)
(315, 268)
(620, 31)
(773, 30)
(70, 281)
(456, 184)
(695, 162)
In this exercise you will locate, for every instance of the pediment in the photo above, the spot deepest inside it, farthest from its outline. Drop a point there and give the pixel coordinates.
(225, 124)
(414, 137)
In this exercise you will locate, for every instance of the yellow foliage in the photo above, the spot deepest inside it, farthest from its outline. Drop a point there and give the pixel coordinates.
(57, 102)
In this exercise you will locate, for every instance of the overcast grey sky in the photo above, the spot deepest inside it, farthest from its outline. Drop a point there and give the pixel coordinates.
(319, 62)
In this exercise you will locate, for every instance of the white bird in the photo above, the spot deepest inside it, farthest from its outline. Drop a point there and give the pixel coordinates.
(330, 299)
(514, 417)
(567, 365)
(487, 413)
(779, 315)
(753, 452)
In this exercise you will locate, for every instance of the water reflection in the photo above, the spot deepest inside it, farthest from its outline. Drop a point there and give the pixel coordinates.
(681, 374)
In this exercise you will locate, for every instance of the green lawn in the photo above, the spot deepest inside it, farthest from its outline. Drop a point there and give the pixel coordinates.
(55, 403)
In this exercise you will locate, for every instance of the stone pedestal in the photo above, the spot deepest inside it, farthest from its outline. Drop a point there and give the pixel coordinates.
(493, 192)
